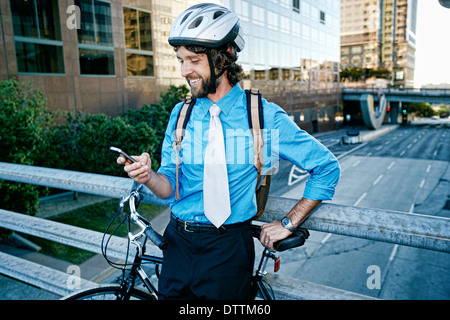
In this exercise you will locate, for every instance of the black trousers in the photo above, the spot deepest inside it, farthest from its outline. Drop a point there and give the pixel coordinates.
(213, 265)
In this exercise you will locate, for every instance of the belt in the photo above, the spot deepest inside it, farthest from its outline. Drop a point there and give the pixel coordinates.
(192, 226)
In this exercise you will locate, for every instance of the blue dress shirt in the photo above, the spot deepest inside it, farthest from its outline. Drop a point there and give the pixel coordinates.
(283, 140)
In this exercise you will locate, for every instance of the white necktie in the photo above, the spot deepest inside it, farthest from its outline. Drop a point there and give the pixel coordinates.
(216, 196)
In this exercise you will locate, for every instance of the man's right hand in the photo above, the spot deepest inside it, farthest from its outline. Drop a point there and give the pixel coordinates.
(140, 171)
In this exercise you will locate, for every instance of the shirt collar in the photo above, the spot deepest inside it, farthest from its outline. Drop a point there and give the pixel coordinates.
(225, 104)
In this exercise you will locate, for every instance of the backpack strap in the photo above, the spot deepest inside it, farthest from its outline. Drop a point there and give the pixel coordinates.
(256, 125)
(180, 130)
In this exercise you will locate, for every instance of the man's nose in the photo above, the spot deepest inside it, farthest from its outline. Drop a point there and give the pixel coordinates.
(185, 69)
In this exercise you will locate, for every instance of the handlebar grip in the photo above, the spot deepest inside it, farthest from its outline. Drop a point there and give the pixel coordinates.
(157, 239)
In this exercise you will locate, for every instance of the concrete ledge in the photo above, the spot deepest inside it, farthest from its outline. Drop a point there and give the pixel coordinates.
(73, 236)
(46, 278)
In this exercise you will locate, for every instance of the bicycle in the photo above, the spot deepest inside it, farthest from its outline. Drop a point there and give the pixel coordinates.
(125, 289)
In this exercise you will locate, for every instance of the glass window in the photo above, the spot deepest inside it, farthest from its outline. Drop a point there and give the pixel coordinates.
(138, 42)
(37, 36)
(95, 40)
(296, 5)
(39, 58)
(95, 62)
(139, 65)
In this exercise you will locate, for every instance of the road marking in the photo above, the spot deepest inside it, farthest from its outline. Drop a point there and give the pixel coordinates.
(378, 179)
(422, 183)
(391, 165)
(379, 148)
(360, 199)
(296, 175)
(393, 253)
(411, 209)
(356, 163)
(326, 238)
(402, 153)
(409, 146)
(429, 168)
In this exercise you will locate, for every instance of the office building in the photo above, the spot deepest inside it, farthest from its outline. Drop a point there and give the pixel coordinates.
(108, 56)
(378, 34)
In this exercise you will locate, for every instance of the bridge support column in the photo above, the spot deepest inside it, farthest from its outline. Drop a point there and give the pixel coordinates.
(393, 114)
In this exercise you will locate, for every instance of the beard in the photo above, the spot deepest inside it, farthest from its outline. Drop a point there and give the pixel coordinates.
(206, 88)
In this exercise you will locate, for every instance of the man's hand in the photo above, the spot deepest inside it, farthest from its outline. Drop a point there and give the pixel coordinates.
(140, 171)
(273, 232)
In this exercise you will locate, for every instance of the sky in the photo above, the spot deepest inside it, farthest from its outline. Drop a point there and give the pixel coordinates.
(432, 44)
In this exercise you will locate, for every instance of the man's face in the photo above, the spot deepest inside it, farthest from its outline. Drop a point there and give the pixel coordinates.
(195, 68)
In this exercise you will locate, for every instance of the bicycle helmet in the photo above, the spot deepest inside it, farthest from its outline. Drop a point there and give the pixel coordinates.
(208, 25)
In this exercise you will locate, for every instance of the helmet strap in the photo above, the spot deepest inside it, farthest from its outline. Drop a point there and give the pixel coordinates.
(213, 86)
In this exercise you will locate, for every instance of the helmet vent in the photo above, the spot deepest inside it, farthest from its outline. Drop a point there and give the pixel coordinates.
(217, 14)
(195, 23)
(185, 17)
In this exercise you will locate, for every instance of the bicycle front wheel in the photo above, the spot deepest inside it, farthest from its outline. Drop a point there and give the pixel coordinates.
(108, 292)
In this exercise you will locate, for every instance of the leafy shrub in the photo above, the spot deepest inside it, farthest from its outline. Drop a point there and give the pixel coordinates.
(29, 135)
(24, 120)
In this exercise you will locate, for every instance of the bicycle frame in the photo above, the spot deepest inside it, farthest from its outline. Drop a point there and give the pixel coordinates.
(147, 233)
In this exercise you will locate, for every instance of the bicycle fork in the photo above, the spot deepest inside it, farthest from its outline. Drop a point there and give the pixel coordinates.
(136, 270)
(261, 272)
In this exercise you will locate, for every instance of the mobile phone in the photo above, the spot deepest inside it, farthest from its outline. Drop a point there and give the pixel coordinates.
(122, 153)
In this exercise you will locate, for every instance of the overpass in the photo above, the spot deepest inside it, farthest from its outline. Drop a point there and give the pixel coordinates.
(375, 101)
(415, 230)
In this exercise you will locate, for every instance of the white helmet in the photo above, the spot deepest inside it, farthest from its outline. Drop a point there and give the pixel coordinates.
(208, 25)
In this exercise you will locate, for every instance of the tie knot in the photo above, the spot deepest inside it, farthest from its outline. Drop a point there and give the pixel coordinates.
(214, 110)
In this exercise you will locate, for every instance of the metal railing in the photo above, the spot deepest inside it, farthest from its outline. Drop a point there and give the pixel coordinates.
(402, 228)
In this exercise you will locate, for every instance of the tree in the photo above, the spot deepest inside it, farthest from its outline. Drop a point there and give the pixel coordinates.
(421, 109)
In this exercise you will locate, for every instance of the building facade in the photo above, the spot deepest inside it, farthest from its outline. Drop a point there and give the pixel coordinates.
(378, 34)
(108, 56)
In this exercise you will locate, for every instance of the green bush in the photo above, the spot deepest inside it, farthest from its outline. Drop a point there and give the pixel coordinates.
(30, 135)
(24, 120)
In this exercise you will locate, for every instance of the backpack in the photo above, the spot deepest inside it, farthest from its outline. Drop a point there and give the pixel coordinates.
(256, 124)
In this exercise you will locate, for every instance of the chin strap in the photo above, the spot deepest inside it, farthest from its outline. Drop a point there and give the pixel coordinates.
(212, 87)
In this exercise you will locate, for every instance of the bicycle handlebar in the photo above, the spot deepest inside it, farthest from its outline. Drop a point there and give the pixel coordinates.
(146, 227)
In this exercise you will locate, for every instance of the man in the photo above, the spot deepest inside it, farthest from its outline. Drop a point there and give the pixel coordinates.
(210, 252)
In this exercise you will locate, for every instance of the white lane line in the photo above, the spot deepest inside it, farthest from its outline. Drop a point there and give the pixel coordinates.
(393, 253)
(391, 165)
(422, 183)
(326, 238)
(356, 163)
(360, 199)
(378, 179)
(402, 153)
(429, 168)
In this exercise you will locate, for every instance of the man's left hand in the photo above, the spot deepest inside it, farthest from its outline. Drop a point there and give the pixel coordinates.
(273, 232)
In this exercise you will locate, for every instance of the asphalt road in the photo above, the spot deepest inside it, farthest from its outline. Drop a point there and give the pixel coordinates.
(406, 170)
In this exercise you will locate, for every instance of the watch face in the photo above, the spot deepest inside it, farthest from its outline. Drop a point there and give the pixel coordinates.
(285, 221)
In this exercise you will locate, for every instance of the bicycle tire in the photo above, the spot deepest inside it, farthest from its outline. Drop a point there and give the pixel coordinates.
(108, 292)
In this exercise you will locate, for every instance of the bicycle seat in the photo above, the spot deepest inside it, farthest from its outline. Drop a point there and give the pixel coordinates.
(296, 239)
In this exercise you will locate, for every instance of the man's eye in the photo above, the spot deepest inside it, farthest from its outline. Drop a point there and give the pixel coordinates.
(195, 61)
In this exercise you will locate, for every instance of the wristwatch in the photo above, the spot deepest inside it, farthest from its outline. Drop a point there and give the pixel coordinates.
(287, 223)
